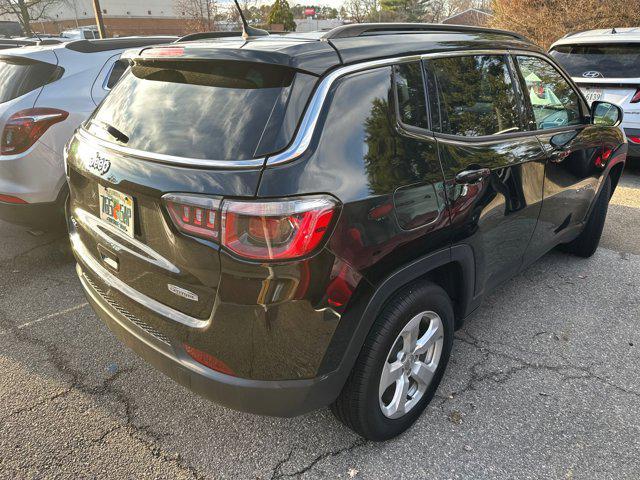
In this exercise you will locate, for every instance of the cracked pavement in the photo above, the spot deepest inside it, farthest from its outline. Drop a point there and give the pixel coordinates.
(543, 383)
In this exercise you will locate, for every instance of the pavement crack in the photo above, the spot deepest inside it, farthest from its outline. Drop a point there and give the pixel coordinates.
(277, 473)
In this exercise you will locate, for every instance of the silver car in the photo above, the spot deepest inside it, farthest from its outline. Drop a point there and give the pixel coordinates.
(46, 92)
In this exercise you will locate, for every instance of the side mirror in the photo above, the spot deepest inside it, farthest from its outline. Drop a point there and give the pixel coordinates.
(606, 114)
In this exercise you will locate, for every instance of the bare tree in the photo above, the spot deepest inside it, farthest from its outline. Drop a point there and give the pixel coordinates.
(27, 11)
(544, 21)
(361, 11)
(201, 14)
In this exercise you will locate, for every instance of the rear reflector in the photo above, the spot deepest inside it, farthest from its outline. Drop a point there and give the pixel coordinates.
(11, 199)
(208, 360)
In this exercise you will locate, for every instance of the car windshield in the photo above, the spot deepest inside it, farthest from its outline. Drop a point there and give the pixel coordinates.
(196, 109)
(608, 61)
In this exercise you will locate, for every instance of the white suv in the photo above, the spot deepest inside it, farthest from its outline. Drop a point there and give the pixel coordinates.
(46, 92)
(606, 66)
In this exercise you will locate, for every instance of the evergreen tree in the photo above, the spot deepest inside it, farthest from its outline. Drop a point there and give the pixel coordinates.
(281, 14)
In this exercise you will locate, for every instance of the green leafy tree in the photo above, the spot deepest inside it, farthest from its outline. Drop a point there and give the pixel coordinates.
(281, 14)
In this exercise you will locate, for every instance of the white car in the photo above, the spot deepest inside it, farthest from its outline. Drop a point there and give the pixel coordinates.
(81, 33)
(46, 92)
(606, 66)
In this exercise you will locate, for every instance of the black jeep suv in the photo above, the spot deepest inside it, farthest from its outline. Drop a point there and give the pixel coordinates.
(288, 222)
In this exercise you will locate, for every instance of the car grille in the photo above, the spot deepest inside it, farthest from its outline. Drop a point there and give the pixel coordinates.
(129, 316)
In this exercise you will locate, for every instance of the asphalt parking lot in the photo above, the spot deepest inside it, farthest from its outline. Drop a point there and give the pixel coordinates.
(543, 384)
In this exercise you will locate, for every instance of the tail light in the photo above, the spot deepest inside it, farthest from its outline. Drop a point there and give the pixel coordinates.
(634, 138)
(24, 128)
(603, 158)
(276, 230)
(636, 96)
(195, 215)
(257, 230)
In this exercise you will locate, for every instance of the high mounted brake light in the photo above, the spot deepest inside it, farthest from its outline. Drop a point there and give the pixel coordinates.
(264, 230)
(159, 52)
(24, 128)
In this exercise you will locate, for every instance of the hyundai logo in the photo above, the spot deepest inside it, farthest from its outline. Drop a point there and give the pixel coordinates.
(592, 74)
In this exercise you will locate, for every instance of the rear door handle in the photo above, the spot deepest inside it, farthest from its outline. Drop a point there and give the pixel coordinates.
(470, 177)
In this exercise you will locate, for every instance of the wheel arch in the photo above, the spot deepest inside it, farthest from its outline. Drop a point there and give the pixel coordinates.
(452, 268)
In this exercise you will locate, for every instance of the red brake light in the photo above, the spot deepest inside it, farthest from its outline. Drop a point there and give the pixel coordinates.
(636, 96)
(634, 139)
(164, 52)
(276, 230)
(195, 215)
(24, 128)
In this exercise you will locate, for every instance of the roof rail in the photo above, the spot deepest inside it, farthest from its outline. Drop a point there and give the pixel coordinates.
(205, 35)
(362, 29)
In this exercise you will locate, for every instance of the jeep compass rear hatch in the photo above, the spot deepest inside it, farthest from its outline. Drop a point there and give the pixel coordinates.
(149, 168)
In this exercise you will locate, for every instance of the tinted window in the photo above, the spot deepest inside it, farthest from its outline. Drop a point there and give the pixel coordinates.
(555, 104)
(208, 110)
(19, 76)
(412, 105)
(116, 73)
(614, 60)
(476, 95)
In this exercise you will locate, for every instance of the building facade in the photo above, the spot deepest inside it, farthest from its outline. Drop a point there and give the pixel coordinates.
(121, 17)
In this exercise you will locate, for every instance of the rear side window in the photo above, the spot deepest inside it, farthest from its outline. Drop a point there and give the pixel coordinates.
(555, 103)
(19, 76)
(206, 110)
(412, 105)
(118, 69)
(614, 61)
(476, 95)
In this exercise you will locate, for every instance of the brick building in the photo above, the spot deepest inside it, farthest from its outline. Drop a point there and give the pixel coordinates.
(121, 17)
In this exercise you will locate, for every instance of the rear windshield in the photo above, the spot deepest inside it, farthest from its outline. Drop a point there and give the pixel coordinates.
(19, 76)
(611, 61)
(206, 110)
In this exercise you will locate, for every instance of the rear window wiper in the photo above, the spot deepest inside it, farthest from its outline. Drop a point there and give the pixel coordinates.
(111, 130)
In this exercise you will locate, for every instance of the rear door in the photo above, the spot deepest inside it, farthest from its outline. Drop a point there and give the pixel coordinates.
(494, 167)
(572, 145)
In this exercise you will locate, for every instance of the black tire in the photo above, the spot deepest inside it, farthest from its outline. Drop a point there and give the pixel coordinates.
(587, 242)
(358, 405)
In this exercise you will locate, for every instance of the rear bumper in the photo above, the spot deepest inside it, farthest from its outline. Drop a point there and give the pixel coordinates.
(634, 148)
(276, 398)
(36, 215)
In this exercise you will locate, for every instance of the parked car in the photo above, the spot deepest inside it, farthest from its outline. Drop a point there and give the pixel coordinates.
(294, 221)
(82, 33)
(46, 91)
(9, 29)
(606, 66)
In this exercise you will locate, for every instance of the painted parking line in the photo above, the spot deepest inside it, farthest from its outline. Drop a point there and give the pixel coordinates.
(48, 317)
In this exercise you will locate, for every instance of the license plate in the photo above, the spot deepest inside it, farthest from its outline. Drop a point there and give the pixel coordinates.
(592, 94)
(116, 208)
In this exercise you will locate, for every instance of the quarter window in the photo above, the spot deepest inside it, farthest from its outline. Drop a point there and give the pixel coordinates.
(476, 95)
(118, 69)
(555, 103)
(412, 105)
